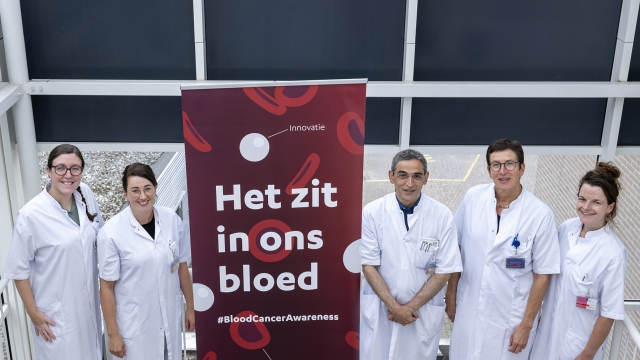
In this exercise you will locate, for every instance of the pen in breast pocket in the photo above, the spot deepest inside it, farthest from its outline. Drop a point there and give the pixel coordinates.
(585, 276)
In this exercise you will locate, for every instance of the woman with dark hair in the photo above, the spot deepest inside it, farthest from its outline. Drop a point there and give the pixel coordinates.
(588, 295)
(143, 253)
(52, 261)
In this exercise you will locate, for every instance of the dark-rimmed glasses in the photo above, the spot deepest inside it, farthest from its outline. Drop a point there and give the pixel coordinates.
(508, 165)
(62, 170)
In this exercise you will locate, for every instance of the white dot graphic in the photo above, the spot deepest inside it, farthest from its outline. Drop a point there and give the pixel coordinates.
(254, 147)
(203, 297)
(351, 257)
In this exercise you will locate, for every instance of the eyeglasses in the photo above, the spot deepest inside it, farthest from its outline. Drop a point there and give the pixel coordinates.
(148, 190)
(62, 170)
(509, 165)
(404, 176)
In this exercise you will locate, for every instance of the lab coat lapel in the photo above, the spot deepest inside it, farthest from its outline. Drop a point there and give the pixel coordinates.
(509, 223)
(81, 209)
(397, 215)
(565, 247)
(158, 223)
(492, 221)
(137, 228)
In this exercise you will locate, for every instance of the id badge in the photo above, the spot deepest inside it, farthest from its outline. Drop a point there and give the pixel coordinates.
(584, 302)
(174, 265)
(431, 269)
(515, 263)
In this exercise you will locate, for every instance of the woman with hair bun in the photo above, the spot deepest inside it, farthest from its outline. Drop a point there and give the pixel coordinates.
(143, 253)
(52, 260)
(588, 295)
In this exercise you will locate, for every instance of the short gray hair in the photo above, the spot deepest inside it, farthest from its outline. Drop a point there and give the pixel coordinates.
(408, 154)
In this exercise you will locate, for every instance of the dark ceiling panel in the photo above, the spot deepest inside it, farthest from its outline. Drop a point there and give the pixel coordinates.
(117, 39)
(455, 121)
(382, 126)
(305, 40)
(118, 119)
(630, 124)
(527, 40)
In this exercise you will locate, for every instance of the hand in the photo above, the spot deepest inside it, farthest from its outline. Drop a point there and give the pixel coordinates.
(116, 346)
(450, 306)
(584, 356)
(190, 319)
(519, 338)
(403, 315)
(41, 323)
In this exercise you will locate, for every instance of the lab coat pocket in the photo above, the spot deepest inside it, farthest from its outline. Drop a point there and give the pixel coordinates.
(369, 306)
(523, 252)
(128, 321)
(422, 259)
(582, 284)
(55, 313)
(431, 319)
(572, 345)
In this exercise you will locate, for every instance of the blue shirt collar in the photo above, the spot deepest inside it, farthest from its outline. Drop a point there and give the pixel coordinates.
(406, 209)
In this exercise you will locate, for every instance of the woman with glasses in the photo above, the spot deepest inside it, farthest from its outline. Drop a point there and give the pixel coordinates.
(588, 295)
(52, 260)
(143, 253)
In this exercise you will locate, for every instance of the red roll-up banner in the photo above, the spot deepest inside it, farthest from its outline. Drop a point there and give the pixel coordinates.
(275, 199)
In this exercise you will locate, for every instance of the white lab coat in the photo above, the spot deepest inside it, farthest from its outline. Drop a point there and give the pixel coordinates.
(59, 259)
(596, 264)
(491, 299)
(147, 291)
(386, 243)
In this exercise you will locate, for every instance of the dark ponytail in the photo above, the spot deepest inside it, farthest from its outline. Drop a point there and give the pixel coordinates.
(86, 207)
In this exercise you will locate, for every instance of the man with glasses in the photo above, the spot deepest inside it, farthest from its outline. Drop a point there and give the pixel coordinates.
(509, 248)
(408, 251)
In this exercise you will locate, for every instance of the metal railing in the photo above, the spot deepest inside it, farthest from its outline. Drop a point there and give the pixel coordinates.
(628, 349)
(4, 312)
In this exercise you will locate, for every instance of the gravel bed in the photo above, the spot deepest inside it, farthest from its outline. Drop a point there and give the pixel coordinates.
(103, 173)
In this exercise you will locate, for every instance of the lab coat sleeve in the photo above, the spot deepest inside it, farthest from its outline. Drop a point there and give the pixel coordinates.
(448, 258)
(369, 245)
(21, 253)
(108, 257)
(185, 243)
(459, 220)
(546, 249)
(612, 288)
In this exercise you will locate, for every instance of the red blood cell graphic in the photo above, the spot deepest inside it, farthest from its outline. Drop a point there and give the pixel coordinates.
(260, 229)
(353, 339)
(294, 96)
(351, 132)
(250, 335)
(305, 174)
(266, 101)
(284, 96)
(192, 136)
(210, 356)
